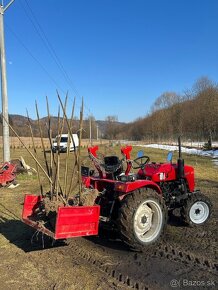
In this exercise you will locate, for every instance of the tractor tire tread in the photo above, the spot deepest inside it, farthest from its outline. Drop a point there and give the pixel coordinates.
(126, 214)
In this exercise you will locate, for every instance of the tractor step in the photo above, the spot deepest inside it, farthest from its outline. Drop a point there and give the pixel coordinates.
(104, 219)
(70, 221)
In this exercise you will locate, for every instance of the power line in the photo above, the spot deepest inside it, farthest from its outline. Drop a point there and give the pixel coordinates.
(47, 43)
(39, 30)
(36, 60)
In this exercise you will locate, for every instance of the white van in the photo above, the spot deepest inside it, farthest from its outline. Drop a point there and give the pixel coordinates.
(63, 143)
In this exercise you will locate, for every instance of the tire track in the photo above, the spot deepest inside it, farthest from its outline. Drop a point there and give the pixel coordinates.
(109, 269)
(173, 252)
(199, 242)
(142, 276)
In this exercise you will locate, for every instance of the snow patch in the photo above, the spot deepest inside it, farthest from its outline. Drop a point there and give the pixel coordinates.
(208, 153)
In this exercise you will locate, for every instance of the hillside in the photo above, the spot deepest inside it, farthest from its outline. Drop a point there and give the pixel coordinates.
(21, 125)
(192, 115)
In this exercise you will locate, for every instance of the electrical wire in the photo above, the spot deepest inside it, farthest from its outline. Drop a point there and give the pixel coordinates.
(48, 45)
(87, 116)
(35, 59)
(53, 55)
(39, 30)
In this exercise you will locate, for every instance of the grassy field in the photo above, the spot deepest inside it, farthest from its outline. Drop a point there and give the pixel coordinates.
(15, 143)
(37, 270)
(205, 170)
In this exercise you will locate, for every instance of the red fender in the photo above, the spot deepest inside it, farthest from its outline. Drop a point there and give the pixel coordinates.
(127, 187)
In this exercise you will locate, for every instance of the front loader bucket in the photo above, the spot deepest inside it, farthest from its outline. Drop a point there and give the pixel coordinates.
(71, 221)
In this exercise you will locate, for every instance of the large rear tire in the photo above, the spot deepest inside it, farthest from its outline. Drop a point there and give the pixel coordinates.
(197, 209)
(142, 218)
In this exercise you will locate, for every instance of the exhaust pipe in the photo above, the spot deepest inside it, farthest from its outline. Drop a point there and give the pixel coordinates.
(180, 162)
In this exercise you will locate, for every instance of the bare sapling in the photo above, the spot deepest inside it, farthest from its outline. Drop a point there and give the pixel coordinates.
(35, 151)
(52, 161)
(41, 137)
(68, 149)
(75, 151)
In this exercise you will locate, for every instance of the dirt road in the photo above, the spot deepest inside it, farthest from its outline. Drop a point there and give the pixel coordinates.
(188, 256)
(186, 259)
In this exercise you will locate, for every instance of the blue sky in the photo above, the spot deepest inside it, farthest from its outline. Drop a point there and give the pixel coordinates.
(119, 54)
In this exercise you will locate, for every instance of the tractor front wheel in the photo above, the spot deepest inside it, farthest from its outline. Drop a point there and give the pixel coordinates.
(197, 209)
(142, 218)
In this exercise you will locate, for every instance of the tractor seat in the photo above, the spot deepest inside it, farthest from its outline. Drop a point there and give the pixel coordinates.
(112, 164)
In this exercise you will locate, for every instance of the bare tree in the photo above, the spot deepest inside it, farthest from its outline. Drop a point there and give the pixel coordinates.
(111, 127)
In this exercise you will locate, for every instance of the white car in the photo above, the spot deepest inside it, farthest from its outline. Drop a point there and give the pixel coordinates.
(64, 143)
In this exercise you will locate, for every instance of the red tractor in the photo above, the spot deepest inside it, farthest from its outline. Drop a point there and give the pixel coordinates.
(134, 204)
(137, 204)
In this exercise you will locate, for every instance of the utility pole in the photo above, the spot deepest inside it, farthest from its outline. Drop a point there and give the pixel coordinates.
(97, 132)
(5, 119)
(90, 130)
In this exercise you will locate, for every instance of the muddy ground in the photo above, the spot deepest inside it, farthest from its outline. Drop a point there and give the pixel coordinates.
(186, 259)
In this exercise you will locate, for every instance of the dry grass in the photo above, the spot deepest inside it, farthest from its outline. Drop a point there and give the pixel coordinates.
(205, 172)
(15, 143)
(20, 270)
(204, 167)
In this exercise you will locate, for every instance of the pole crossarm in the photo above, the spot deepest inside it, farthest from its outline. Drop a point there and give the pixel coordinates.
(8, 5)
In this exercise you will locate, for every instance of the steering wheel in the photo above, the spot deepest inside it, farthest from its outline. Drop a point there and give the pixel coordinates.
(141, 161)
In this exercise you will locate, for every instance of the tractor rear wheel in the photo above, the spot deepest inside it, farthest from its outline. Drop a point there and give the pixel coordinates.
(197, 209)
(142, 218)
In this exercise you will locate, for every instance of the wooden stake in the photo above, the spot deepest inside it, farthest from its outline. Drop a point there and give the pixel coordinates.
(68, 149)
(60, 131)
(79, 157)
(41, 137)
(34, 148)
(75, 152)
(51, 152)
(58, 156)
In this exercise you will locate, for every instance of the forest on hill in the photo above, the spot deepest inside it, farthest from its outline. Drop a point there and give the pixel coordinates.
(98, 128)
(193, 114)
